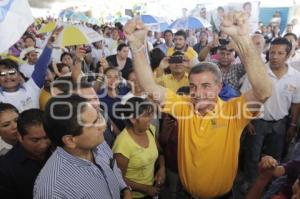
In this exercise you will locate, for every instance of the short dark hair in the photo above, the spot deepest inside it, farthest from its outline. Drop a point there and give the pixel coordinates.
(62, 116)
(63, 84)
(283, 41)
(181, 33)
(29, 118)
(7, 107)
(291, 34)
(65, 54)
(168, 31)
(156, 55)
(121, 46)
(134, 107)
(207, 67)
(9, 64)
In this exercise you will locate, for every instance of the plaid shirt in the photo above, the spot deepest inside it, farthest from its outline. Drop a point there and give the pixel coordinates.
(233, 75)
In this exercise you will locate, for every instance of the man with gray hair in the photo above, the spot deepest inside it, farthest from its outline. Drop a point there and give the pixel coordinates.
(209, 128)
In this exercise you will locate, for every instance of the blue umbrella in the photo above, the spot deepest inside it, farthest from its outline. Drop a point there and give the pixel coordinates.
(78, 16)
(66, 13)
(149, 19)
(189, 23)
(163, 26)
(154, 23)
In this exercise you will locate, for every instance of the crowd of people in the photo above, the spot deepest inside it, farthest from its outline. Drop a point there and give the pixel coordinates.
(180, 115)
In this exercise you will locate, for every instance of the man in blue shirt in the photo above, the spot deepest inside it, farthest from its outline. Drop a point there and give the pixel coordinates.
(82, 166)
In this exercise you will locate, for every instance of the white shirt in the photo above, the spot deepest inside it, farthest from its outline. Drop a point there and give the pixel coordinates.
(111, 45)
(97, 54)
(26, 97)
(27, 69)
(286, 91)
(295, 60)
(4, 147)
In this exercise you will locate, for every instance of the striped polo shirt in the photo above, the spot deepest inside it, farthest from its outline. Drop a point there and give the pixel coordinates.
(67, 176)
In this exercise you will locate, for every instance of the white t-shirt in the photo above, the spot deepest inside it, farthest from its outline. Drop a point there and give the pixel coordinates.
(26, 97)
(4, 147)
(27, 69)
(285, 92)
(295, 61)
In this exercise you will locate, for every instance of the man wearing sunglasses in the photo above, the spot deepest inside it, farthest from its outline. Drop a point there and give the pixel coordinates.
(24, 95)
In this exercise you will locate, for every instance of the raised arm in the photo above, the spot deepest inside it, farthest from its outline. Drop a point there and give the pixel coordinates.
(40, 69)
(236, 25)
(135, 32)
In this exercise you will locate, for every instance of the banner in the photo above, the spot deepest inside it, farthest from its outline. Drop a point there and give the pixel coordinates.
(15, 18)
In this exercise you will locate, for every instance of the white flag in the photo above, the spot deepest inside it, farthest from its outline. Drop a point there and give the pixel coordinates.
(15, 18)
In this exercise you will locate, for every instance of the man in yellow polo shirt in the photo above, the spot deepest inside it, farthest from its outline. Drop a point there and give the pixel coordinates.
(209, 129)
(181, 45)
(178, 77)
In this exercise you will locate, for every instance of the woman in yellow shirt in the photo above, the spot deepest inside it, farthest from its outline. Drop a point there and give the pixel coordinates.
(136, 150)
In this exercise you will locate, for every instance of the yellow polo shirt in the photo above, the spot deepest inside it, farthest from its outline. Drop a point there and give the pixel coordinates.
(208, 146)
(190, 53)
(44, 98)
(168, 81)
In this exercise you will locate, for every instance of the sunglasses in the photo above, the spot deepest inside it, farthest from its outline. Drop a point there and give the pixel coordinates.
(9, 72)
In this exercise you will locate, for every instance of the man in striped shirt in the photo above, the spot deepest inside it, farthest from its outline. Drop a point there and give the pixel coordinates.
(82, 166)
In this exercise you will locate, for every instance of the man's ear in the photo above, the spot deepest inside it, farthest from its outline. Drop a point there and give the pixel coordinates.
(69, 141)
(20, 138)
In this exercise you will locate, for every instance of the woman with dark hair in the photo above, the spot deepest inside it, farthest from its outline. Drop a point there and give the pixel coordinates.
(136, 150)
(121, 61)
(8, 127)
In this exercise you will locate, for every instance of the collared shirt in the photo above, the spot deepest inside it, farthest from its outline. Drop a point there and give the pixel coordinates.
(286, 91)
(208, 146)
(171, 83)
(18, 173)
(232, 75)
(4, 147)
(68, 176)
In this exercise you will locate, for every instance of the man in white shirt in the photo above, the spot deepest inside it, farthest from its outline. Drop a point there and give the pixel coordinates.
(268, 134)
(294, 59)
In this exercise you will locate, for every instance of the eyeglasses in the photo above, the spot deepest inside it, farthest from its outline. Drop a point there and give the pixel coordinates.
(9, 72)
